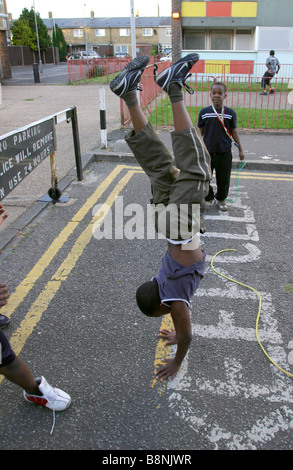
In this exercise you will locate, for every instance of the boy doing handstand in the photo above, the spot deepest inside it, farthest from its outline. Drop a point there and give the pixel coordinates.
(183, 184)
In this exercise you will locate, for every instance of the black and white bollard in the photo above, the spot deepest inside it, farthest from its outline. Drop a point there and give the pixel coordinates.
(103, 124)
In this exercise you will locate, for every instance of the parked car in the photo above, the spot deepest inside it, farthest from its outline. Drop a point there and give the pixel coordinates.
(122, 54)
(166, 57)
(85, 55)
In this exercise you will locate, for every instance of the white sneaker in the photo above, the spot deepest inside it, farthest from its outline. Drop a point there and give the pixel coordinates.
(222, 206)
(52, 398)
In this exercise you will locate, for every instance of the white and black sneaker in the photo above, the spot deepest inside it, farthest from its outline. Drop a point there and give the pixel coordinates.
(129, 78)
(177, 73)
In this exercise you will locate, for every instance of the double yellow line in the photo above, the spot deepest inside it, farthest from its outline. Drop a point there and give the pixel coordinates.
(262, 176)
(36, 310)
(34, 315)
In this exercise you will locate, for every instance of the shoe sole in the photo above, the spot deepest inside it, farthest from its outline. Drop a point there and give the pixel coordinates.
(168, 74)
(137, 63)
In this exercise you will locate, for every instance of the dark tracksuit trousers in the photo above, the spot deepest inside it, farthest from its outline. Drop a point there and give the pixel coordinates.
(222, 164)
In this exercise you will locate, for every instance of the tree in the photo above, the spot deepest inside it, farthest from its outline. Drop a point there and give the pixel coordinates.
(20, 31)
(23, 35)
(59, 41)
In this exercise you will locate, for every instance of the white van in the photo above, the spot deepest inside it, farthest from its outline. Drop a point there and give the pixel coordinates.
(86, 55)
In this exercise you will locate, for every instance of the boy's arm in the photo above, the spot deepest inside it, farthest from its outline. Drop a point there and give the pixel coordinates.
(181, 319)
(278, 65)
(235, 136)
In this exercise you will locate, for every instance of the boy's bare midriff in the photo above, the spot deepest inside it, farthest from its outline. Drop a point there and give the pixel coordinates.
(186, 254)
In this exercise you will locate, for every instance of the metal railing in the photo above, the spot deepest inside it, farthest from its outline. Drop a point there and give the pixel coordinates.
(104, 68)
(254, 110)
(243, 81)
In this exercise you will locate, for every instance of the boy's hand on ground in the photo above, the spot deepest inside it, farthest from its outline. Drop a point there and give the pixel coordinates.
(3, 216)
(169, 370)
(170, 336)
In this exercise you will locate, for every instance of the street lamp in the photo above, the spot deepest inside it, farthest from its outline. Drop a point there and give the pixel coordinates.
(132, 23)
(40, 60)
(85, 26)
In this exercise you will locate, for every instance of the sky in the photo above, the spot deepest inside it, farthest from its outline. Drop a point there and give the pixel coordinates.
(82, 8)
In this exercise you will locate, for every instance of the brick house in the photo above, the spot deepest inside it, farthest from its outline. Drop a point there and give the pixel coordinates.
(5, 68)
(108, 36)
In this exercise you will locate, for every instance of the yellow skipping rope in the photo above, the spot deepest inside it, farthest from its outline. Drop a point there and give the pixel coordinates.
(259, 309)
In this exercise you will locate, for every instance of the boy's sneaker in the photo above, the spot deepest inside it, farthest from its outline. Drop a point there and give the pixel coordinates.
(4, 321)
(52, 398)
(222, 206)
(129, 78)
(209, 204)
(177, 73)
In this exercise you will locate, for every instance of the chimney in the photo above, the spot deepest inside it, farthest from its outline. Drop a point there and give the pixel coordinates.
(50, 14)
(92, 14)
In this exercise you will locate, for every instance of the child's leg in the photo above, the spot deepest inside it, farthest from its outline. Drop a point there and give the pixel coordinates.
(14, 369)
(18, 373)
(139, 121)
(193, 160)
(223, 172)
(191, 155)
(150, 152)
(181, 117)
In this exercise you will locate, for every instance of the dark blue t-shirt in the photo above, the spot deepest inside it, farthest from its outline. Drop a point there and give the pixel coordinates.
(214, 135)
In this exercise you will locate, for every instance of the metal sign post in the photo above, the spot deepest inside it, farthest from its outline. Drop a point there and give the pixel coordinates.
(22, 150)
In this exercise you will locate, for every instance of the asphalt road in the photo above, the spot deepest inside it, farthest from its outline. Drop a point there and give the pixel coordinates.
(74, 320)
(49, 74)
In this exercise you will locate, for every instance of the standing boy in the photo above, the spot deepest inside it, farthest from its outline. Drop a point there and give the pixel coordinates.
(217, 125)
(186, 184)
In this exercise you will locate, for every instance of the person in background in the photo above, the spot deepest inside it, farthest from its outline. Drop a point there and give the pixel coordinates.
(273, 67)
(217, 125)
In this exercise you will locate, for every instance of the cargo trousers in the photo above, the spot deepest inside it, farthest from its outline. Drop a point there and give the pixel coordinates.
(179, 184)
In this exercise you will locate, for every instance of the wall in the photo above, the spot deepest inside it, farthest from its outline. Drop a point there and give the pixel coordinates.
(23, 55)
(5, 70)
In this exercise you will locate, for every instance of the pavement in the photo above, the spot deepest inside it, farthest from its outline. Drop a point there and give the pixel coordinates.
(24, 102)
(72, 305)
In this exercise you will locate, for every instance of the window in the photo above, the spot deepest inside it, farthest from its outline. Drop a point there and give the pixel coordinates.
(168, 31)
(195, 41)
(147, 31)
(78, 33)
(243, 39)
(124, 31)
(221, 40)
(100, 32)
(119, 49)
(275, 38)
